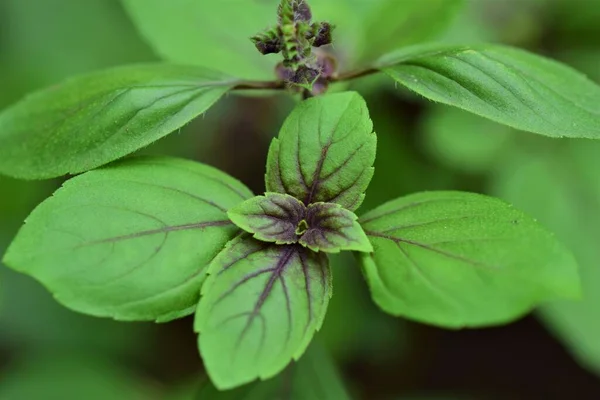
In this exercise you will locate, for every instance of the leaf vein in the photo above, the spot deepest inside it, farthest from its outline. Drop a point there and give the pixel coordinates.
(430, 248)
(165, 230)
(276, 272)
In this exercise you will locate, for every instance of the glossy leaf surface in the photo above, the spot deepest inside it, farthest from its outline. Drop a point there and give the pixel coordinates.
(325, 151)
(131, 241)
(504, 84)
(260, 307)
(91, 120)
(458, 259)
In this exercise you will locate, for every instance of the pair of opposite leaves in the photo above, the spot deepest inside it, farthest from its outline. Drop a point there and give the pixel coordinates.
(91, 120)
(141, 238)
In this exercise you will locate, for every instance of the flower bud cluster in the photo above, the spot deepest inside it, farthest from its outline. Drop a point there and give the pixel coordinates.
(294, 37)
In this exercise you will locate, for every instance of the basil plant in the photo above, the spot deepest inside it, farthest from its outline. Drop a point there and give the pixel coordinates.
(139, 238)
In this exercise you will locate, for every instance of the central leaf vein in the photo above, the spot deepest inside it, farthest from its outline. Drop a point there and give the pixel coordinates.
(430, 248)
(507, 89)
(165, 230)
(420, 271)
(288, 307)
(198, 173)
(276, 273)
(406, 207)
(307, 288)
(95, 146)
(183, 192)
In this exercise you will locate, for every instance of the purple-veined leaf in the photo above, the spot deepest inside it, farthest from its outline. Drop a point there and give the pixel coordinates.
(457, 259)
(260, 307)
(325, 151)
(273, 217)
(283, 219)
(332, 228)
(132, 240)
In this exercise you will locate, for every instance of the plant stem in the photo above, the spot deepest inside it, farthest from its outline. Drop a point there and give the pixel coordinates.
(259, 85)
(280, 85)
(350, 75)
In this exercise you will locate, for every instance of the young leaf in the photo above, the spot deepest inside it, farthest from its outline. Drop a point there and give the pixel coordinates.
(325, 151)
(458, 259)
(273, 217)
(90, 120)
(331, 228)
(394, 24)
(131, 241)
(283, 219)
(260, 307)
(507, 85)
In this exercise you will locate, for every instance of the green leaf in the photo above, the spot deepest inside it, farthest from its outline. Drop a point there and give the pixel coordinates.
(395, 24)
(314, 376)
(94, 119)
(325, 151)
(331, 228)
(260, 307)
(459, 259)
(131, 241)
(504, 84)
(557, 182)
(283, 219)
(273, 217)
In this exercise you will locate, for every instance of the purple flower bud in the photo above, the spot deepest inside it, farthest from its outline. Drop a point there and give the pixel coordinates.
(267, 45)
(323, 33)
(320, 86)
(284, 73)
(327, 64)
(302, 12)
(305, 75)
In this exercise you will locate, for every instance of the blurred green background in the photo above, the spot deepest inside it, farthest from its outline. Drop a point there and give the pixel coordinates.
(49, 352)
